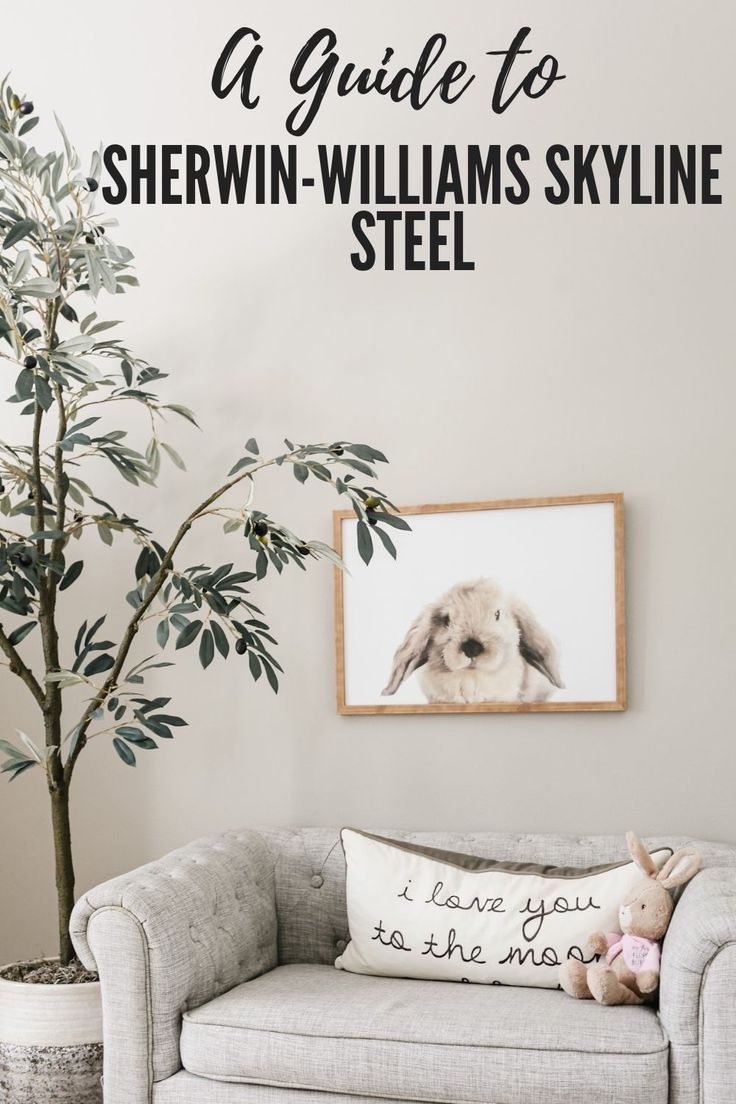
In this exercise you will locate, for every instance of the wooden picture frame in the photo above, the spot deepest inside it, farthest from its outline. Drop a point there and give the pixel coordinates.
(614, 604)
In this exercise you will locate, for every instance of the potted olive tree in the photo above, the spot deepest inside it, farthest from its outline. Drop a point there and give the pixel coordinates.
(68, 372)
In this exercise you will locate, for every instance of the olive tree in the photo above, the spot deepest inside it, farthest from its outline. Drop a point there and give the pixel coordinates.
(68, 373)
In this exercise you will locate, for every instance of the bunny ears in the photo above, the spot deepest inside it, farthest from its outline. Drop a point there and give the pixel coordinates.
(678, 869)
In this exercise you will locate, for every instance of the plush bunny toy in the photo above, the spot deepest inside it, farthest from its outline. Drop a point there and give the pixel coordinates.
(630, 972)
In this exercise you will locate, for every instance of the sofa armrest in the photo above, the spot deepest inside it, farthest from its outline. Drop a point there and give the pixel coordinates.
(171, 936)
(698, 989)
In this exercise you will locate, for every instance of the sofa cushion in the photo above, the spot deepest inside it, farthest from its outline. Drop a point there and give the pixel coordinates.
(313, 1027)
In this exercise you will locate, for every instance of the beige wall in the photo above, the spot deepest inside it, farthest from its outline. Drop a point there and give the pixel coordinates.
(590, 351)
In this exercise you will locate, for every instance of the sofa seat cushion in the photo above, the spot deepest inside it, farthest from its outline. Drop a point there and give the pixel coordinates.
(314, 1027)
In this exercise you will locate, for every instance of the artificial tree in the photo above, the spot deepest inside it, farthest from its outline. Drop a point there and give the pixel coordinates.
(57, 258)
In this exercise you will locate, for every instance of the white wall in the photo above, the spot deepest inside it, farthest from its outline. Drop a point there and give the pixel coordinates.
(590, 351)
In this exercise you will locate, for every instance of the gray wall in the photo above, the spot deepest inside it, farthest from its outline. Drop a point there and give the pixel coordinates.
(590, 351)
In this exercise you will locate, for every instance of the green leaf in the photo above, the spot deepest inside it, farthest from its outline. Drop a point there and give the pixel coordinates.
(255, 666)
(95, 629)
(271, 675)
(189, 634)
(80, 638)
(24, 385)
(21, 633)
(71, 156)
(147, 706)
(365, 543)
(241, 464)
(388, 544)
(127, 730)
(126, 753)
(261, 564)
(47, 534)
(28, 125)
(320, 471)
(16, 767)
(71, 574)
(19, 231)
(251, 445)
(301, 472)
(162, 633)
(329, 553)
(158, 729)
(98, 665)
(206, 648)
(74, 739)
(174, 456)
(99, 327)
(137, 737)
(39, 288)
(167, 719)
(182, 411)
(221, 640)
(393, 520)
(237, 577)
(366, 452)
(10, 750)
(44, 395)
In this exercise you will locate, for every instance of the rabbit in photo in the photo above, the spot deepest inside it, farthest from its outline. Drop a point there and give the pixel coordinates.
(478, 644)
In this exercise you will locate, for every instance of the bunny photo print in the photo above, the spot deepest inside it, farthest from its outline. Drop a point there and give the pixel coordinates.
(491, 606)
(478, 644)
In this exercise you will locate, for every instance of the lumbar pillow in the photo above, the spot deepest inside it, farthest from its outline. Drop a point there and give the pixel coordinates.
(423, 913)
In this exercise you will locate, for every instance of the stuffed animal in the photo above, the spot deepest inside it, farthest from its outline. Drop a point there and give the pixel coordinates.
(629, 970)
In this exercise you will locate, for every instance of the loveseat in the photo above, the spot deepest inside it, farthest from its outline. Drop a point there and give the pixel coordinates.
(218, 987)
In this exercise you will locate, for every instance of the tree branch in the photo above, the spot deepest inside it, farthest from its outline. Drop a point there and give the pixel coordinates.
(21, 669)
(154, 587)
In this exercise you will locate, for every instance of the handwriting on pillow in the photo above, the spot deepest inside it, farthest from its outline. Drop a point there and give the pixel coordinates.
(536, 911)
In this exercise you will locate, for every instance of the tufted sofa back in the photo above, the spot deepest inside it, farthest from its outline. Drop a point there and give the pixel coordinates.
(309, 871)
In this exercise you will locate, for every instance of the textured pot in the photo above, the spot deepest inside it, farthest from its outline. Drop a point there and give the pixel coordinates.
(50, 1043)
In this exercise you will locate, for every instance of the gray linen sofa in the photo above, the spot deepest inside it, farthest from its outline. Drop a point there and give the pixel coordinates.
(218, 988)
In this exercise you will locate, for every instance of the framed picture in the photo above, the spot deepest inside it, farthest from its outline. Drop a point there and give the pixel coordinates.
(490, 607)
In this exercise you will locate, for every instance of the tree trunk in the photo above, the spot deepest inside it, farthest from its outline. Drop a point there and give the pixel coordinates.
(64, 868)
(58, 783)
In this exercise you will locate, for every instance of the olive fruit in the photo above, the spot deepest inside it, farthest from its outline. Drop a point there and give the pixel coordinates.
(260, 528)
(372, 520)
(337, 450)
(241, 647)
(14, 102)
(25, 108)
(25, 560)
(92, 184)
(371, 502)
(89, 238)
(30, 362)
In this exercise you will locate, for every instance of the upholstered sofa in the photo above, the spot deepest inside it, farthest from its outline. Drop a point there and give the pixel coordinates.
(218, 987)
